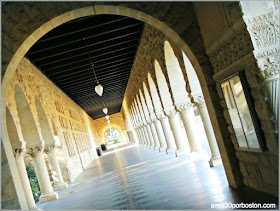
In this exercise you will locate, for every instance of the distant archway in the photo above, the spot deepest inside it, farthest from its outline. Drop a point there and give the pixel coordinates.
(113, 136)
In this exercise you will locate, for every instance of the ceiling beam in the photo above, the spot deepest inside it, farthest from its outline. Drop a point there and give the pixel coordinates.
(110, 46)
(92, 27)
(95, 62)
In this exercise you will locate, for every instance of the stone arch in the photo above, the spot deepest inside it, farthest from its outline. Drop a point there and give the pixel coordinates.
(175, 75)
(166, 29)
(163, 87)
(192, 76)
(13, 132)
(155, 97)
(27, 122)
(44, 123)
(144, 104)
(148, 99)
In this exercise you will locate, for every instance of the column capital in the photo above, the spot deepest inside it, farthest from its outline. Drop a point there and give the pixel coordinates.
(49, 148)
(170, 112)
(199, 100)
(184, 106)
(34, 151)
(149, 121)
(273, 5)
(18, 152)
(161, 116)
(153, 118)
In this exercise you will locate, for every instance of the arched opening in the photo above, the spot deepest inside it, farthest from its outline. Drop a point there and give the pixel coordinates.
(83, 12)
(154, 93)
(163, 87)
(113, 136)
(27, 174)
(13, 133)
(51, 160)
(44, 123)
(27, 122)
(175, 75)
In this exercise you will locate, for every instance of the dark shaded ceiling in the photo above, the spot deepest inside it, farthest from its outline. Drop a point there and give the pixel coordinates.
(63, 56)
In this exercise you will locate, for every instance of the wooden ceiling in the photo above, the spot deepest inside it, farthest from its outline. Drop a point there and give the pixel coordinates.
(65, 55)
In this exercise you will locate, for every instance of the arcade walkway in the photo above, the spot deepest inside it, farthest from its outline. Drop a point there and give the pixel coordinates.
(131, 177)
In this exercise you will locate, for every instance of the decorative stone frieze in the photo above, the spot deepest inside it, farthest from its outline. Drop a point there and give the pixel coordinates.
(235, 45)
(264, 31)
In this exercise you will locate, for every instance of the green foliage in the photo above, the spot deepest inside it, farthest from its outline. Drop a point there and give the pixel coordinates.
(116, 140)
(33, 182)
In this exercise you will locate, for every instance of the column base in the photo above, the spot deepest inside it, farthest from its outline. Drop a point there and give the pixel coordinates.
(60, 186)
(182, 152)
(215, 162)
(156, 148)
(35, 208)
(152, 147)
(170, 150)
(48, 197)
(162, 149)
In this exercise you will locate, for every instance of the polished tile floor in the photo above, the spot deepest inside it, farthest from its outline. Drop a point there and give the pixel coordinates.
(132, 177)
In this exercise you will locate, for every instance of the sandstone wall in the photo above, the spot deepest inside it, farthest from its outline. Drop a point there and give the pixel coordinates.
(69, 123)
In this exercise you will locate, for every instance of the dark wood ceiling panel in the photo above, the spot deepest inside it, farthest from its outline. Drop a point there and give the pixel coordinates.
(64, 55)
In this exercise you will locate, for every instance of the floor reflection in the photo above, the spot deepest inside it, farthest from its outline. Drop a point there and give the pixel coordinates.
(131, 177)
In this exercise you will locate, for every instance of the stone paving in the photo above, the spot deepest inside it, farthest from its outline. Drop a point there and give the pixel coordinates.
(132, 177)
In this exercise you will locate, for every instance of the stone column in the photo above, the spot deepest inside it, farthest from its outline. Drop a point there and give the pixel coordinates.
(50, 151)
(152, 143)
(143, 136)
(154, 134)
(146, 134)
(264, 32)
(171, 147)
(186, 111)
(42, 173)
(160, 134)
(18, 153)
(216, 157)
(173, 117)
(139, 137)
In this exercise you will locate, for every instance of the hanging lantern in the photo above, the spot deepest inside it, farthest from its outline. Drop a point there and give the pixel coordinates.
(99, 89)
(107, 117)
(105, 110)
